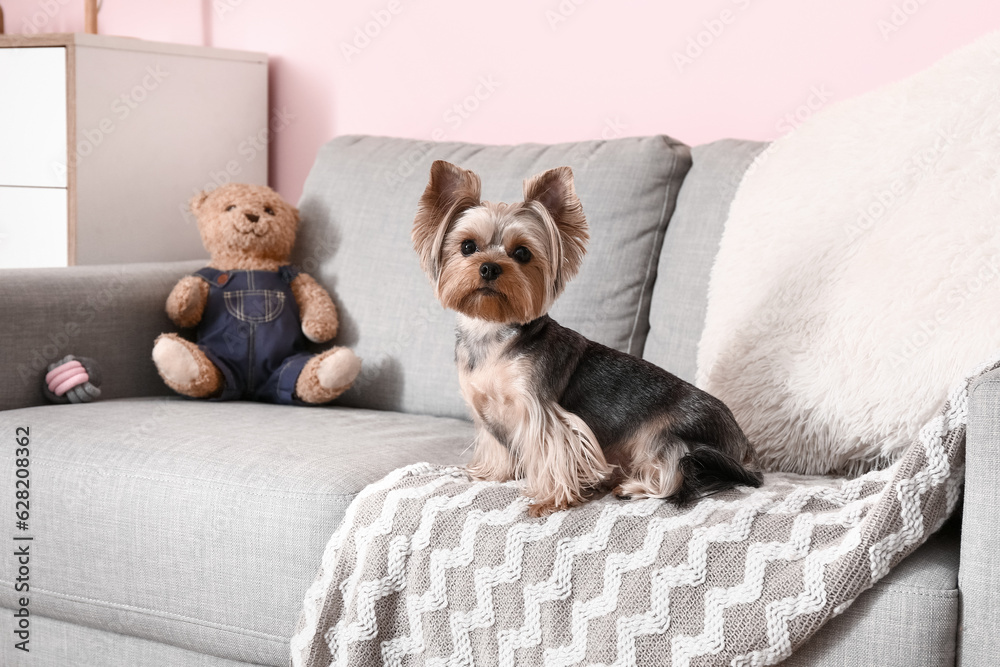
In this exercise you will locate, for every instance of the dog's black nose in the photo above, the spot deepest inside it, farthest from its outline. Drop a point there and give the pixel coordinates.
(252, 217)
(490, 271)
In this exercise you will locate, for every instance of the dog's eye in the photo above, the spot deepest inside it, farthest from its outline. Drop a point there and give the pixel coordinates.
(521, 255)
(268, 210)
(468, 247)
(230, 207)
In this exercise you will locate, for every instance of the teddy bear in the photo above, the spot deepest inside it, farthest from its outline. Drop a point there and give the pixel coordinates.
(255, 313)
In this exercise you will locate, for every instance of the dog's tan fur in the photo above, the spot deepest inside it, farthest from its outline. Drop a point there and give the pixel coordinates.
(643, 468)
(498, 229)
(554, 450)
(451, 210)
(491, 460)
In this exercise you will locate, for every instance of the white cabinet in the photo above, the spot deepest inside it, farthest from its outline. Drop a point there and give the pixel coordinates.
(33, 227)
(33, 117)
(103, 140)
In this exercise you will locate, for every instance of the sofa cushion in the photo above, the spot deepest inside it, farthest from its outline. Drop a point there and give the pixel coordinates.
(680, 297)
(198, 524)
(357, 213)
(53, 640)
(201, 525)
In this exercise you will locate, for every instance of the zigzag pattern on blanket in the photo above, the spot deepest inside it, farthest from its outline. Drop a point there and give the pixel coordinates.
(432, 568)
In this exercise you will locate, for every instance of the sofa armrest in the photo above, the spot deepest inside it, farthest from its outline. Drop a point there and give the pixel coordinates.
(110, 313)
(979, 569)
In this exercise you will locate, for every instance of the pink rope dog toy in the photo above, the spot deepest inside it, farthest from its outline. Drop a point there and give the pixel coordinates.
(72, 380)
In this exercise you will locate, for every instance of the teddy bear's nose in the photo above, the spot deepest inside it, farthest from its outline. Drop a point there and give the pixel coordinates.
(252, 217)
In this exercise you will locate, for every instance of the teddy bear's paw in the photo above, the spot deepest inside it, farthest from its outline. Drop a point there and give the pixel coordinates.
(319, 329)
(187, 300)
(338, 370)
(328, 376)
(185, 368)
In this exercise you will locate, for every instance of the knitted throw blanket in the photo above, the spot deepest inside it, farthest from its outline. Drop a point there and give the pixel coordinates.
(431, 568)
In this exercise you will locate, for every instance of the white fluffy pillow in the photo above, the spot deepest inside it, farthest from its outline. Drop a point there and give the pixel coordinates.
(859, 272)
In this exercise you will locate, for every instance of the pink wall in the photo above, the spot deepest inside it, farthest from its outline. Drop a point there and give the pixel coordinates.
(549, 70)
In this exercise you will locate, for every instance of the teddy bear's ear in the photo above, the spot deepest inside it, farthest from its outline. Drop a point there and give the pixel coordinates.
(197, 201)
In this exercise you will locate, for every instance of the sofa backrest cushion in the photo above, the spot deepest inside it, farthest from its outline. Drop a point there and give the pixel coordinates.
(680, 296)
(357, 212)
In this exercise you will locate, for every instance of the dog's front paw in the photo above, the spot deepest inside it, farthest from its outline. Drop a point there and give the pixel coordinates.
(540, 508)
(537, 510)
(620, 493)
(479, 475)
(490, 471)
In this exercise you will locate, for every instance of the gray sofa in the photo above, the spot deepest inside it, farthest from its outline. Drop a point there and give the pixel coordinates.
(176, 532)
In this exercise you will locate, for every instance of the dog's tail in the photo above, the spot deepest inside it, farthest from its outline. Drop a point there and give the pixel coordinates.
(719, 456)
(706, 470)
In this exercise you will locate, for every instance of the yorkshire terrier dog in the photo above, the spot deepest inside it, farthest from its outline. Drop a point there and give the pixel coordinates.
(565, 413)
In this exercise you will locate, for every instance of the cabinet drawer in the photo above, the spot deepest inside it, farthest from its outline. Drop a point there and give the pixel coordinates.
(33, 116)
(33, 227)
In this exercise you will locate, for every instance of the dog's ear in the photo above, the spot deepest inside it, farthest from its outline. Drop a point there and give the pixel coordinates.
(450, 191)
(553, 190)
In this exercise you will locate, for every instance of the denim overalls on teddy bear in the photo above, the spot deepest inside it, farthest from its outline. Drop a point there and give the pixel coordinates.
(250, 330)
(255, 313)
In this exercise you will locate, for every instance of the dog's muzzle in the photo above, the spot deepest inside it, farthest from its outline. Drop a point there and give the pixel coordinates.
(490, 271)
